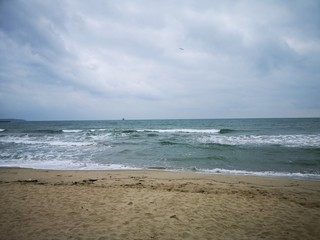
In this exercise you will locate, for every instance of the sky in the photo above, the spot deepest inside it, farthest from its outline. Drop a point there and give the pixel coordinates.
(135, 59)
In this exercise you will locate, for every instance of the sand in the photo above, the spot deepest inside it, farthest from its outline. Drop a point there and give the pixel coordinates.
(41, 204)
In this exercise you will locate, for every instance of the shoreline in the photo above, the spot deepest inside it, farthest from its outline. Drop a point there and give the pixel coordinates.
(155, 204)
(217, 171)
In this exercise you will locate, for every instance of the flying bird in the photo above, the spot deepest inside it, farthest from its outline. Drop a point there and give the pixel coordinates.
(181, 49)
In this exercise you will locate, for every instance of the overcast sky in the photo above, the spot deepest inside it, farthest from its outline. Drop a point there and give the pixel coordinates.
(100, 59)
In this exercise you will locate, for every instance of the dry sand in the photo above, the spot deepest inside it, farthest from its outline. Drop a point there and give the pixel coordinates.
(40, 204)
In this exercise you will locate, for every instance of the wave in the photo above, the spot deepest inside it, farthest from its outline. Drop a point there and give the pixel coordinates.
(72, 131)
(255, 173)
(128, 131)
(98, 130)
(258, 140)
(27, 141)
(152, 135)
(205, 131)
(44, 131)
(152, 131)
(167, 143)
(53, 131)
(61, 143)
(227, 130)
(66, 165)
(2, 130)
(208, 131)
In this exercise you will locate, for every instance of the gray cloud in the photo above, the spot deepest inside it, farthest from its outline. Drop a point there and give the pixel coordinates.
(114, 59)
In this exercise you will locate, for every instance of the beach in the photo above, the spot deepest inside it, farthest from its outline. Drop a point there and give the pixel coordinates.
(155, 204)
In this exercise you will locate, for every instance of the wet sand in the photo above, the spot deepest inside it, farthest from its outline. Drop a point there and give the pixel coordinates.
(153, 204)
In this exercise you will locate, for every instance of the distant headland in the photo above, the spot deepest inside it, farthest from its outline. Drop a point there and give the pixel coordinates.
(11, 120)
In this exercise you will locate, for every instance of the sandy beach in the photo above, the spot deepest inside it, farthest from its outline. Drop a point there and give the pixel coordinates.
(154, 204)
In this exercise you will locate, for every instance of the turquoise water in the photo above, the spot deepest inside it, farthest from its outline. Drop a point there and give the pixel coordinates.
(283, 147)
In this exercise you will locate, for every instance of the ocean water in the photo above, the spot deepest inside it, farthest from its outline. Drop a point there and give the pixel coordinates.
(276, 147)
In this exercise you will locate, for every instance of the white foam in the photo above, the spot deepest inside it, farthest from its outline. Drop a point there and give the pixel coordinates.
(96, 166)
(262, 173)
(66, 165)
(285, 140)
(101, 138)
(72, 131)
(98, 130)
(17, 140)
(29, 141)
(60, 143)
(101, 129)
(208, 131)
(2, 130)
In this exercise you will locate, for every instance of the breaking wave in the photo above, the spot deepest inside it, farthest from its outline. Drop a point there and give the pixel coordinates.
(282, 140)
(207, 131)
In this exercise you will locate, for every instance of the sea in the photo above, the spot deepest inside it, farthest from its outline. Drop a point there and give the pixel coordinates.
(283, 147)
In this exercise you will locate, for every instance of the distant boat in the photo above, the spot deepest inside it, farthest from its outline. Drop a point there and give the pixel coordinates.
(122, 119)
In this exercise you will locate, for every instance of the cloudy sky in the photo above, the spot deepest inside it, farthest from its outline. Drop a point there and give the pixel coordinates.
(100, 59)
